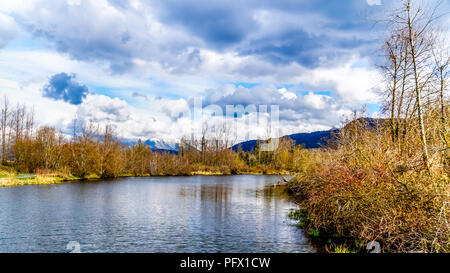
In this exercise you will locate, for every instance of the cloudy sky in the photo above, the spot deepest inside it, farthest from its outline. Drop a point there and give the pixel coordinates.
(138, 64)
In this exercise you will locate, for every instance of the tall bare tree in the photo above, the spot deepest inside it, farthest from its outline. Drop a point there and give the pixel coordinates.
(409, 49)
(441, 54)
(395, 53)
(412, 40)
(4, 126)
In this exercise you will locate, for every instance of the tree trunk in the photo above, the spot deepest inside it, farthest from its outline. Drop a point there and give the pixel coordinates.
(400, 102)
(4, 125)
(418, 93)
(443, 121)
(393, 121)
(445, 156)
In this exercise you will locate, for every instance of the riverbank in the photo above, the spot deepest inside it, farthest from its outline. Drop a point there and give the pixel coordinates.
(365, 190)
(35, 180)
(343, 211)
(16, 180)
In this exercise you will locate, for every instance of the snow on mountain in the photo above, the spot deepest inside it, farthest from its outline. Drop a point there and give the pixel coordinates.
(156, 144)
(159, 144)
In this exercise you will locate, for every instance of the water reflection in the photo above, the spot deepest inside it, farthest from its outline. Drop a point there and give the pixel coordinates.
(177, 214)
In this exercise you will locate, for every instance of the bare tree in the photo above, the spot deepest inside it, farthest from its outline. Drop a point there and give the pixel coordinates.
(394, 48)
(441, 54)
(417, 86)
(4, 126)
(204, 141)
(18, 122)
(29, 123)
(409, 50)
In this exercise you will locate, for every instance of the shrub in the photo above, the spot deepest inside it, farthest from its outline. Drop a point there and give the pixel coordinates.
(363, 191)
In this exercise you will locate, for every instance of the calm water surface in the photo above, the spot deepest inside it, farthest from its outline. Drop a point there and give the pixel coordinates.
(176, 214)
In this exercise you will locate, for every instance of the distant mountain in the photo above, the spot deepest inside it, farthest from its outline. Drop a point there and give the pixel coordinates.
(313, 140)
(157, 145)
(307, 140)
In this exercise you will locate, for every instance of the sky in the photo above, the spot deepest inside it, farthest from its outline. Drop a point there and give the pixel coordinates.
(139, 64)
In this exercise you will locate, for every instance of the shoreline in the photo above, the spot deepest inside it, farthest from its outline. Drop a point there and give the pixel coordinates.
(53, 179)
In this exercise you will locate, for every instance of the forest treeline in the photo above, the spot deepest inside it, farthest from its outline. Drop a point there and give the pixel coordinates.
(94, 151)
(389, 184)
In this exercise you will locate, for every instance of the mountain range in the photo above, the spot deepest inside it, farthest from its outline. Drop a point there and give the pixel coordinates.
(161, 145)
(311, 140)
(307, 140)
(157, 145)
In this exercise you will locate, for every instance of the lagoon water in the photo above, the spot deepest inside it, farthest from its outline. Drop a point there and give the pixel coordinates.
(151, 214)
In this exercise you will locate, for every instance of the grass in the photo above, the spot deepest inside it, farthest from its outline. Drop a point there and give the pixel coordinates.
(340, 249)
(6, 171)
(39, 179)
(14, 182)
(207, 173)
